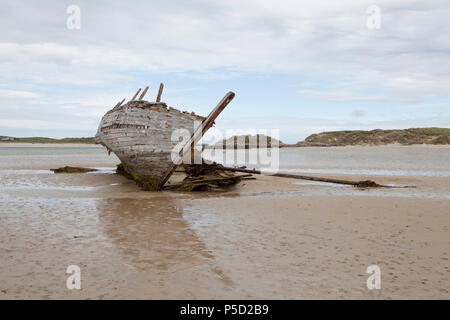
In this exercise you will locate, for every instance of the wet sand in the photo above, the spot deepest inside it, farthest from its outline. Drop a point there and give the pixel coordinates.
(270, 238)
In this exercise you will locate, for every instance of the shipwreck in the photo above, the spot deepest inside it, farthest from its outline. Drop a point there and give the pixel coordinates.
(139, 133)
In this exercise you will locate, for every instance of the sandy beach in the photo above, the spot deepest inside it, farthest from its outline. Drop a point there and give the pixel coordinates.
(270, 238)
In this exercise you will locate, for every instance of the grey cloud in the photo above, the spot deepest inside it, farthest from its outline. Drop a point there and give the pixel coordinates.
(358, 113)
(406, 60)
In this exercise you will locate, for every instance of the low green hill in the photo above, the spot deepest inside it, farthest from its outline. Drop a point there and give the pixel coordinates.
(87, 140)
(381, 137)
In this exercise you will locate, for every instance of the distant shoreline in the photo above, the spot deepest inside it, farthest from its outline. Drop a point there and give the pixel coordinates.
(4, 144)
(65, 145)
(376, 137)
(80, 140)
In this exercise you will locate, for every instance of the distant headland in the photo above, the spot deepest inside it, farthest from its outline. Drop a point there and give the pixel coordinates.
(8, 139)
(436, 136)
(376, 137)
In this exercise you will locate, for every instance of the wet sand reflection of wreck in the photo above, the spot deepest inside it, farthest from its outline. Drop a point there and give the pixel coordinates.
(152, 235)
(152, 231)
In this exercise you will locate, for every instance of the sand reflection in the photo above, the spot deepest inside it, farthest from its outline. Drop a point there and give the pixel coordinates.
(151, 231)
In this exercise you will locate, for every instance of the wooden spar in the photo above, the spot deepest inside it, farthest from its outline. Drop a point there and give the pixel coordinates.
(143, 93)
(135, 95)
(294, 176)
(361, 184)
(366, 183)
(206, 124)
(119, 103)
(209, 121)
(161, 87)
(197, 135)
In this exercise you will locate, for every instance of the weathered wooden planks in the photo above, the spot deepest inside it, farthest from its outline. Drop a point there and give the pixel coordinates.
(140, 134)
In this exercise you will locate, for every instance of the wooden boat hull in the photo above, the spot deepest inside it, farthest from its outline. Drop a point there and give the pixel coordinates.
(140, 134)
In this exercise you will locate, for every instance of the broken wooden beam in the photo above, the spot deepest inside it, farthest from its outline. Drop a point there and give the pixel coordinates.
(207, 183)
(359, 184)
(135, 95)
(161, 87)
(143, 93)
(119, 103)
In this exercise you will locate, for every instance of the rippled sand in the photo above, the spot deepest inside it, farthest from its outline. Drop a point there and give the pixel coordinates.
(269, 238)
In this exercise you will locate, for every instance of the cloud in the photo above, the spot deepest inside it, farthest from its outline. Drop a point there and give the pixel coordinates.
(328, 40)
(16, 94)
(324, 47)
(358, 113)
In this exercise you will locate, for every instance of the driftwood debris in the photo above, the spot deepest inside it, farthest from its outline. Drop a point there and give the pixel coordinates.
(68, 169)
(215, 176)
(358, 184)
(199, 178)
(210, 177)
(206, 183)
(204, 177)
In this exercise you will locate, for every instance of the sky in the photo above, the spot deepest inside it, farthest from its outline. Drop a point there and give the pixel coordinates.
(297, 67)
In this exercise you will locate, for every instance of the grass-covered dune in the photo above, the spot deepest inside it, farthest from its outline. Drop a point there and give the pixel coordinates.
(381, 137)
(437, 136)
(88, 140)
